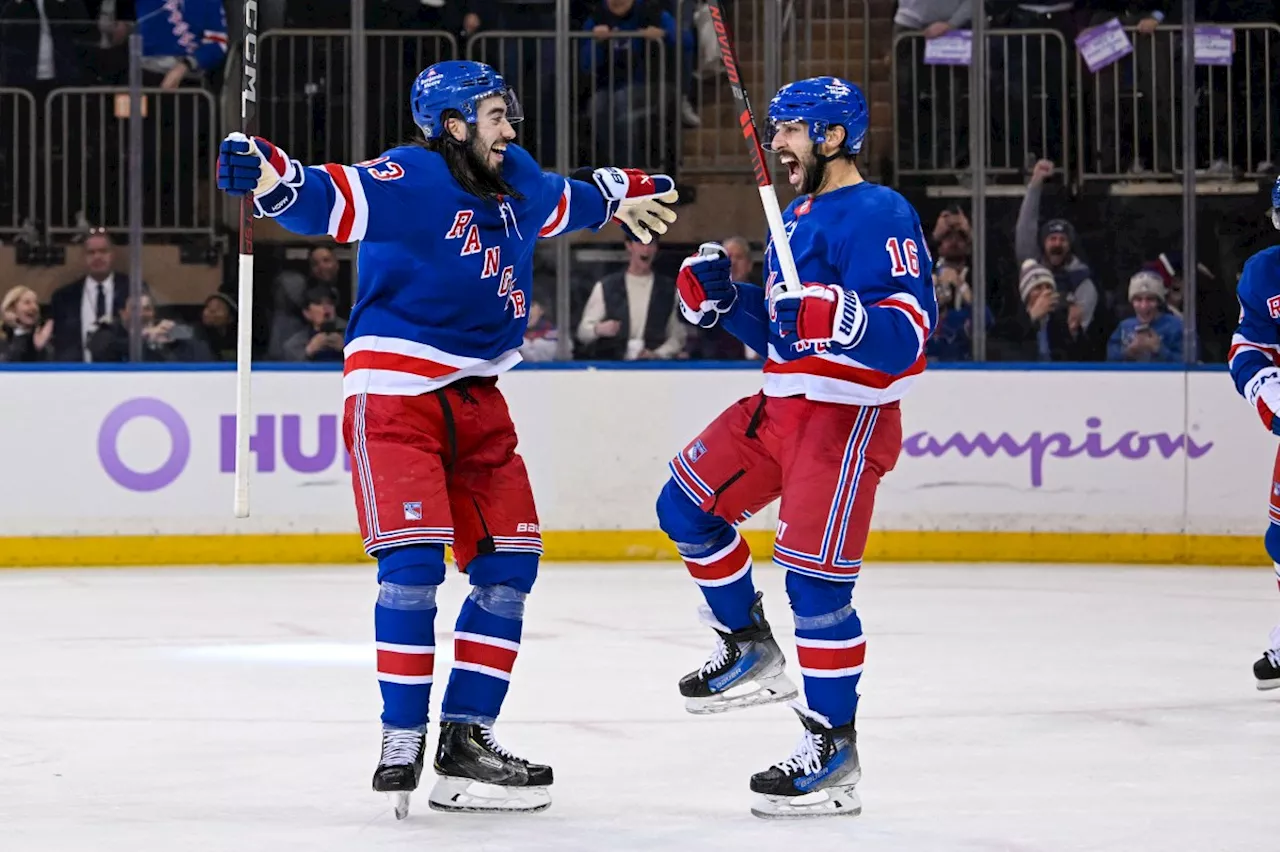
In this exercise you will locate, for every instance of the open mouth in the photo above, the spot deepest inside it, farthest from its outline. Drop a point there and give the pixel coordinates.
(792, 166)
(499, 151)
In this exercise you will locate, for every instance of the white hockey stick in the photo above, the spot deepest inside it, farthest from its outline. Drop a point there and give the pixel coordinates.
(764, 181)
(244, 328)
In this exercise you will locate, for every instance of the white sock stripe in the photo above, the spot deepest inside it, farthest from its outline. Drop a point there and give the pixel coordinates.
(804, 642)
(482, 639)
(719, 554)
(484, 670)
(724, 581)
(405, 680)
(405, 649)
(830, 673)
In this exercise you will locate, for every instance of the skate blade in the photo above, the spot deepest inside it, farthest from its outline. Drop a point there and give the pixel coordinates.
(1264, 685)
(831, 802)
(399, 803)
(769, 690)
(465, 795)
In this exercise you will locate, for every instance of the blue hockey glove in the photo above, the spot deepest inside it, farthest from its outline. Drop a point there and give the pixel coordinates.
(818, 314)
(705, 288)
(255, 165)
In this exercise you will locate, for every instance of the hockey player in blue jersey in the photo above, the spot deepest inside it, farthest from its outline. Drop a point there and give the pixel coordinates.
(448, 230)
(1253, 360)
(838, 354)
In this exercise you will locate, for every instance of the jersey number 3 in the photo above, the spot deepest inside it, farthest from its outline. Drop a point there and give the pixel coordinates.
(904, 257)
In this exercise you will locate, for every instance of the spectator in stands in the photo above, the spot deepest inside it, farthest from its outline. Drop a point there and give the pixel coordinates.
(1216, 306)
(217, 329)
(941, 96)
(322, 339)
(631, 314)
(541, 335)
(952, 339)
(625, 104)
(1041, 331)
(77, 308)
(1153, 333)
(1053, 244)
(180, 41)
(162, 340)
(23, 338)
(290, 290)
(43, 45)
(716, 344)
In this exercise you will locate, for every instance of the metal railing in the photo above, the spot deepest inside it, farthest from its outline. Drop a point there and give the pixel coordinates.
(86, 167)
(1127, 111)
(306, 91)
(17, 158)
(1028, 98)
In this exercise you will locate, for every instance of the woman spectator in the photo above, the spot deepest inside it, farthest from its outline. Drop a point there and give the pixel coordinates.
(26, 338)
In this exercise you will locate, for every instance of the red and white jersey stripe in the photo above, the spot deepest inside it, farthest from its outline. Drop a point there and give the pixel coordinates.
(405, 664)
(391, 366)
(487, 655)
(559, 218)
(826, 377)
(831, 657)
(349, 216)
(723, 567)
(1240, 344)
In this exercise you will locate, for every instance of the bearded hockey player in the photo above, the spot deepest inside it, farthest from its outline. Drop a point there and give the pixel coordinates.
(840, 353)
(448, 228)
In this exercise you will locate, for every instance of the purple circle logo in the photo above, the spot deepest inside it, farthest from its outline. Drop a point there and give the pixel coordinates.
(109, 435)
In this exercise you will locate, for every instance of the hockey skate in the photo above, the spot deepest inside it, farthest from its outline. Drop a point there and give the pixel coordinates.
(478, 775)
(818, 779)
(746, 668)
(1267, 669)
(400, 768)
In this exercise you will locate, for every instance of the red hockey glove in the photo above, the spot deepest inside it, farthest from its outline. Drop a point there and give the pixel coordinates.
(638, 200)
(705, 288)
(1263, 393)
(819, 313)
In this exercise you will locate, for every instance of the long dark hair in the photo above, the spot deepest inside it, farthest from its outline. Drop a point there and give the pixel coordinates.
(467, 166)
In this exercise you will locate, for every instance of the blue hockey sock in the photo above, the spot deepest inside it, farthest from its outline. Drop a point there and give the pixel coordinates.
(717, 557)
(829, 644)
(404, 622)
(485, 644)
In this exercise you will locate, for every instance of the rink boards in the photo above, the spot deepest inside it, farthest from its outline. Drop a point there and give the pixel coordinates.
(135, 467)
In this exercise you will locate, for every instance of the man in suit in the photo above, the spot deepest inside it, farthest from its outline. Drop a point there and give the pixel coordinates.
(77, 308)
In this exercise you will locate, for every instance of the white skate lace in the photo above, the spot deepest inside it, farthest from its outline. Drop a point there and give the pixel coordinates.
(1273, 657)
(492, 743)
(806, 758)
(718, 658)
(400, 746)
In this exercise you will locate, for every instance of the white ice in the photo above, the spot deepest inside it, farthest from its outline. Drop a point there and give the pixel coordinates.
(1018, 708)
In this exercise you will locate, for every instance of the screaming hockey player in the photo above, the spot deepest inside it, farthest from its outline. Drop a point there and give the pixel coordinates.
(1253, 360)
(839, 355)
(448, 227)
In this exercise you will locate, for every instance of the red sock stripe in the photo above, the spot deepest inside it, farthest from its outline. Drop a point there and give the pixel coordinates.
(412, 665)
(726, 566)
(477, 653)
(831, 658)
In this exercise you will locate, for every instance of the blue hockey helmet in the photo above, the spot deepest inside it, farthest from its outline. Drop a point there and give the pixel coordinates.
(457, 85)
(822, 102)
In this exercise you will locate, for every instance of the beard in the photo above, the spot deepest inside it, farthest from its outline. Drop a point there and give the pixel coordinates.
(476, 155)
(815, 171)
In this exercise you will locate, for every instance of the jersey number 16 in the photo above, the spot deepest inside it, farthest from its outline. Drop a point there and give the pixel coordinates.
(900, 252)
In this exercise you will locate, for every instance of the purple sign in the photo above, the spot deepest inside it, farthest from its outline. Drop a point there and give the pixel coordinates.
(1103, 45)
(109, 436)
(1214, 45)
(312, 447)
(1039, 446)
(953, 48)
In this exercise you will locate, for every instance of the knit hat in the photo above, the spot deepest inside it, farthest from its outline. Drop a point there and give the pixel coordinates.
(1148, 283)
(1058, 226)
(226, 300)
(1033, 274)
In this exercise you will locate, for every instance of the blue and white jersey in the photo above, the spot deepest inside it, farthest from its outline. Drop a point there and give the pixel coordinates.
(184, 28)
(445, 276)
(1256, 342)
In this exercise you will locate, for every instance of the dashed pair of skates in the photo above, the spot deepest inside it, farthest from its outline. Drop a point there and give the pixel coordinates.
(476, 773)
(747, 669)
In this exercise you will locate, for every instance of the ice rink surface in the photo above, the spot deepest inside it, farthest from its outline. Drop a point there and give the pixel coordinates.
(1017, 708)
